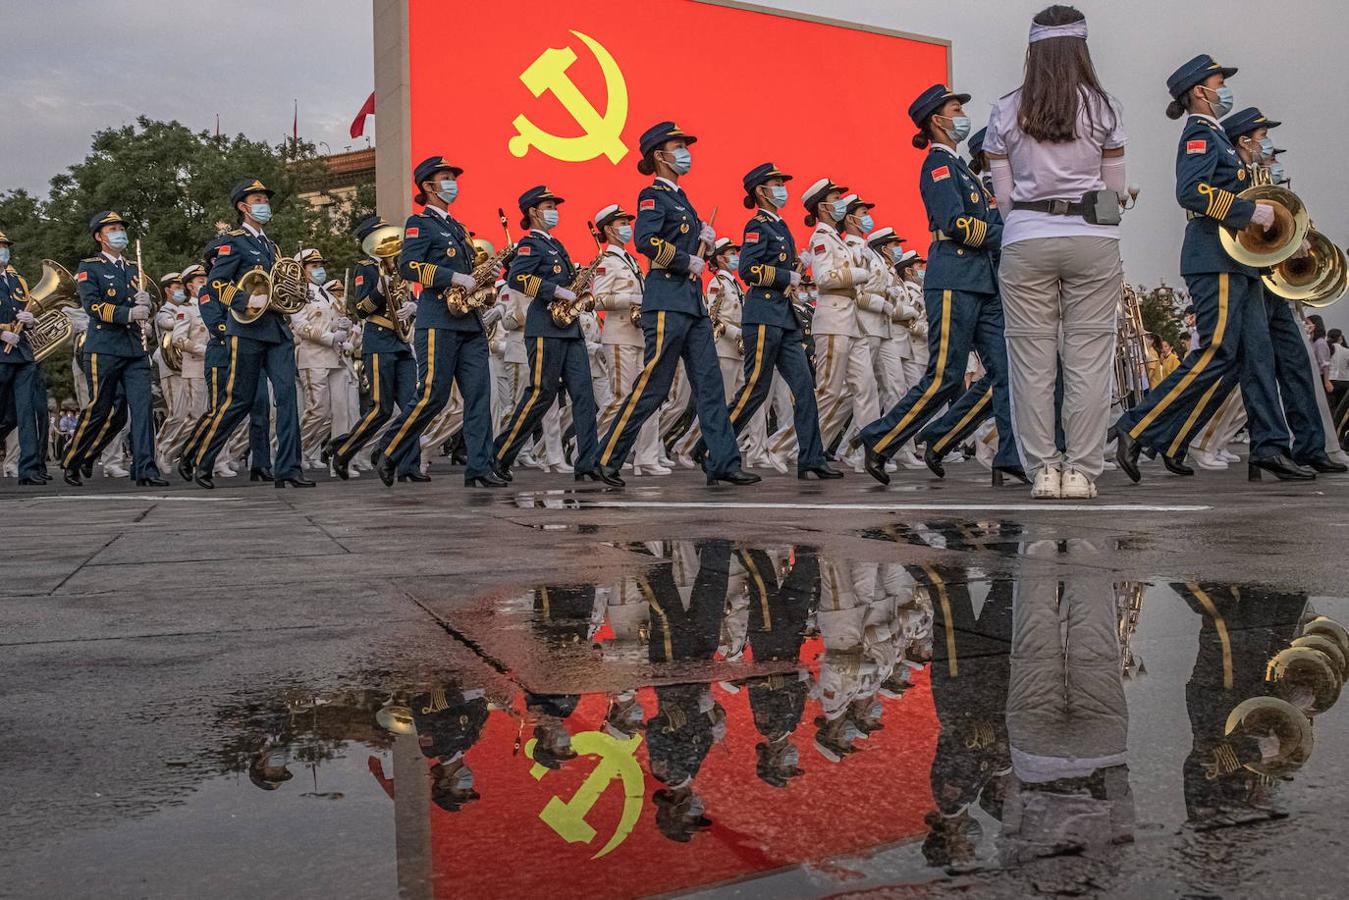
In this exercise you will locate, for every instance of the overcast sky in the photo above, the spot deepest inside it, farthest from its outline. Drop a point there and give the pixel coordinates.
(73, 66)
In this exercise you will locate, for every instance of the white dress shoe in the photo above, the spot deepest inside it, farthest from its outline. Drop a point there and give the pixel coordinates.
(1228, 456)
(651, 470)
(1048, 483)
(113, 470)
(1206, 460)
(1073, 485)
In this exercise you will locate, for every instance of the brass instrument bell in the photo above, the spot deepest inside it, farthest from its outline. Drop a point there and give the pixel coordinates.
(1259, 247)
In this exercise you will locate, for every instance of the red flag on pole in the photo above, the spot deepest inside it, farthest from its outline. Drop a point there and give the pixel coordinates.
(358, 123)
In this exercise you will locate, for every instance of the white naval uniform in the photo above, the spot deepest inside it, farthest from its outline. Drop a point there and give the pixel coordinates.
(170, 388)
(189, 336)
(323, 377)
(874, 312)
(617, 287)
(730, 359)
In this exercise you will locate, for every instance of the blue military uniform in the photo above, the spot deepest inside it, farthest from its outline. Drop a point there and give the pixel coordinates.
(961, 293)
(771, 329)
(264, 346)
(1227, 296)
(557, 354)
(389, 363)
(449, 348)
(118, 358)
(19, 375)
(674, 323)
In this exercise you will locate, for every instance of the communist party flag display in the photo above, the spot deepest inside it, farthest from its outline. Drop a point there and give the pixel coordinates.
(558, 94)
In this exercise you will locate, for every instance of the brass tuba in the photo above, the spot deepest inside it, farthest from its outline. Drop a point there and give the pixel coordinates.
(384, 244)
(286, 287)
(54, 291)
(1257, 247)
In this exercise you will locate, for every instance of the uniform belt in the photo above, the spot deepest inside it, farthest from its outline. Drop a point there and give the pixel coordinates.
(381, 320)
(1053, 207)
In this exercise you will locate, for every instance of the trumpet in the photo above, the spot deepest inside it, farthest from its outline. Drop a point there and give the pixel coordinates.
(384, 244)
(463, 301)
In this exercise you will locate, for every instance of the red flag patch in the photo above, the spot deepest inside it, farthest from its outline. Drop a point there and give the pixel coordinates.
(1196, 146)
(81, 276)
(646, 204)
(751, 237)
(224, 250)
(819, 248)
(599, 270)
(941, 174)
(525, 251)
(360, 280)
(411, 232)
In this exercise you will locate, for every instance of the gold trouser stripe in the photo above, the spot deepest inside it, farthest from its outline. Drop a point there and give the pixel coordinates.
(748, 388)
(969, 416)
(1224, 284)
(86, 413)
(523, 412)
(224, 403)
(370, 415)
(1219, 623)
(392, 447)
(762, 588)
(945, 599)
(1181, 439)
(938, 377)
(645, 587)
(636, 394)
(829, 418)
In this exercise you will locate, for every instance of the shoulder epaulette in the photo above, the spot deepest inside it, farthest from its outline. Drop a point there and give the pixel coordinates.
(657, 186)
(92, 259)
(368, 262)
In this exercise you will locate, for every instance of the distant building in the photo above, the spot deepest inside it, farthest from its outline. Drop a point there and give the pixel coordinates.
(334, 186)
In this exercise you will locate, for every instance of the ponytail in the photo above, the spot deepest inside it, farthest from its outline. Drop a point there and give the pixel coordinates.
(647, 165)
(921, 140)
(1175, 109)
(811, 220)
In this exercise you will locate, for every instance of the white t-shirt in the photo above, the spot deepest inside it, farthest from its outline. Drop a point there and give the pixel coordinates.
(1047, 171)
(1339, 363)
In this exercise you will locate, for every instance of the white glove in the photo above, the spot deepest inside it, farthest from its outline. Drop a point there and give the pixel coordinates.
(888, 309)
(406, 311)
(9, 337)
(25, 317)
(795, 278)
(562, 293)
(257, 302)
(142, 298)
(492, 316)
(1263, 215)
(342, 324)
(345, 346)
(707, 234)
(875, 304)
(696, 265)
(336, 338)
(860, 275)
(459, 279)
(139, 313)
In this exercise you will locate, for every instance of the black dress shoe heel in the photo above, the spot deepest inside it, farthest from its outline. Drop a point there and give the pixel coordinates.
(87, 470)
(737, 477)
(1126, 455)
(590, 475)
(933, 461)
(1253, 472)
(72, 477)
(383, 467)
(1014, 471)
(506, 474)
(203, 480)
(300, 482)
(490, 480)
(874, 464)
(823, 472)
(1176, 467)
(414, 476)
(151, 482)
(1325, 465)
(259, 474)
(611, 477)
(1282, 468)
(185, 469)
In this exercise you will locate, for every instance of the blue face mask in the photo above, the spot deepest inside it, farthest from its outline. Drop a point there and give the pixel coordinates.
(179, 295)
(1224, 102)
(261, 212)
(778, 194)
(463, 779)
(1266, 146)
(448, 191)
(624, 233)
(733, 262)
(868, 224)
(4, 256)
(118, 240)
(840, 210)
(1277, 173)
(897, 253)
(318, 275)
(682, 160)
(959, 129)
(550, 218)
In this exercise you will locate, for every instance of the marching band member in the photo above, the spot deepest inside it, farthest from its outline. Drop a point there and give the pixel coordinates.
(772, 330)
(174, 295)
(321, 329)
(118, 357)
(1299, 384)
(18, 367)
(450, 349)
(264, 346)
(1055, 147)
(1228, 299)
(723, 301)
(542, 271)
(873, 310)
(675, 325)
(388, 359)
(896, 370)
(617, 289)
(961, 294)
(189, 337)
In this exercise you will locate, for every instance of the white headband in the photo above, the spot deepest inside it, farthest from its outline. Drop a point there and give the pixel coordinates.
(1045, 32)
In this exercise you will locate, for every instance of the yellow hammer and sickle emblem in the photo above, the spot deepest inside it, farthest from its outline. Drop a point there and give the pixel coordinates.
(568, 817)
(602, 133)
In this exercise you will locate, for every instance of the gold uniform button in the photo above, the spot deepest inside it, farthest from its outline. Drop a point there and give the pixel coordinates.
(960, 251)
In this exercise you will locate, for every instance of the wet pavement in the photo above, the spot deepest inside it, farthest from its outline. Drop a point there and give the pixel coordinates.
(784, 691)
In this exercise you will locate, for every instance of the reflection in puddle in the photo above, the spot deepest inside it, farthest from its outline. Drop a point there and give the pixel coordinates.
(801, 709)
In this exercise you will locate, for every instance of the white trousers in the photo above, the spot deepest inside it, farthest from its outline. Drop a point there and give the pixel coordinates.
(625, 366)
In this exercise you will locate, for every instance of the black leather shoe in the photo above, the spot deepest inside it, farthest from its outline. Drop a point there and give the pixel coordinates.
(203, 480)
(32, 481)
(611, 477)
(506, 475)
(699, 457)
(72, 477)
(490, 480)
(87, 470)
(1176, 466)
(1323, 464)
(738, 477)
(824, 472)
(383, 467)
(259, 474)
(341, 466)
(1126, 456)
(417, 477)
(590, 475)
(185, 468)
(1014, 471)
(1281, 467)
(152, 482)
(328, 451)
(300, 482)
(933, 461)
(44, 475)
(874, 464)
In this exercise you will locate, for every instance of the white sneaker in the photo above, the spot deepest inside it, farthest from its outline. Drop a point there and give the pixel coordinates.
(651, 470)
(224, 470)
(114, 470)
(908, 460)
(1073, 485)
(1206, 460)
(684, 462)
(1048, 483)
(1228, 456)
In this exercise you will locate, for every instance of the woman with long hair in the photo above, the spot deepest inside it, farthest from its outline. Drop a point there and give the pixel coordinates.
(1055, 149)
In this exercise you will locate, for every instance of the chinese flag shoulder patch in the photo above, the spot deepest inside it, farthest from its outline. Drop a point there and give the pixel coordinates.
(646, 204)
(819, 248)
(525, 250)
(360, 280)
(941, 173)
(599, 270)
(182, 316)
(81, 276)
(224, 250)
(1196, 146)
(751, 237)
(411, 232)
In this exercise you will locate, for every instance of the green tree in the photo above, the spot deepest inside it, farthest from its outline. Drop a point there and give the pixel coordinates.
(1162, 308)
